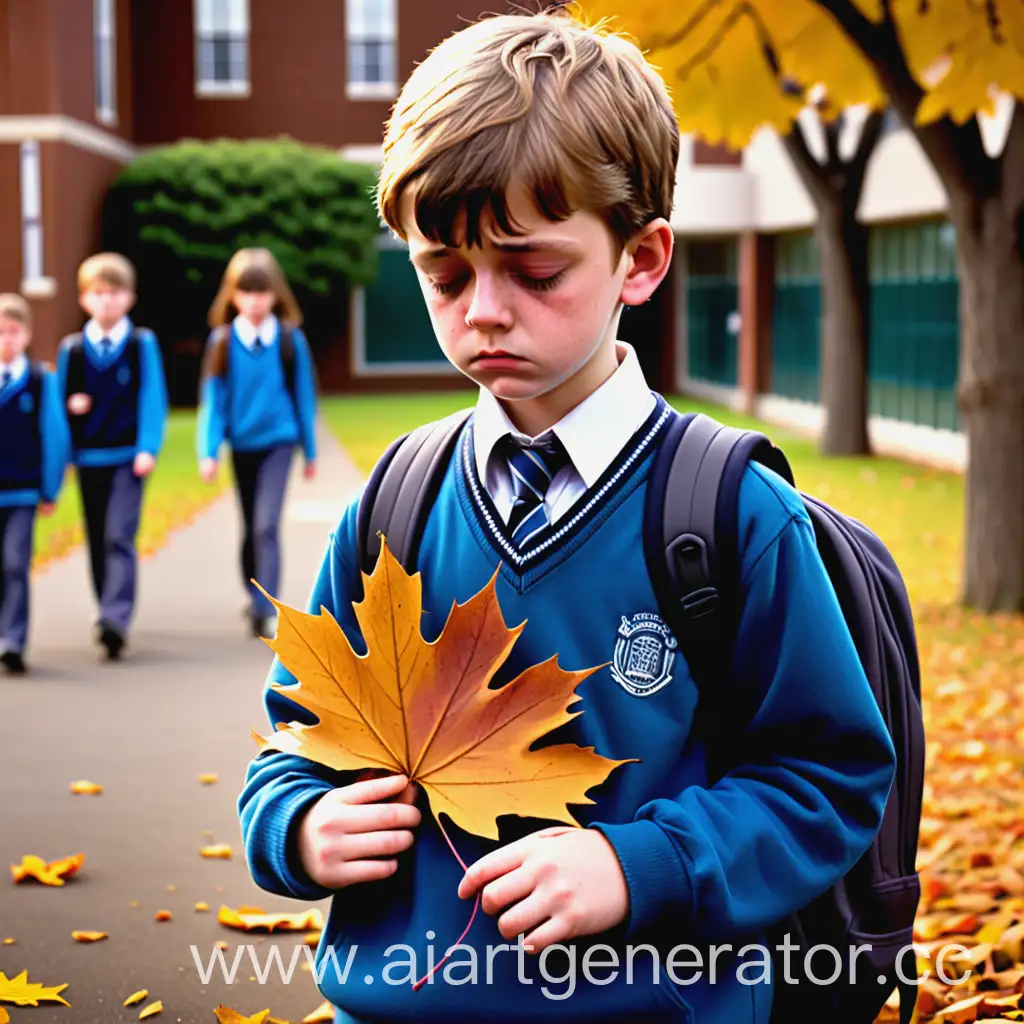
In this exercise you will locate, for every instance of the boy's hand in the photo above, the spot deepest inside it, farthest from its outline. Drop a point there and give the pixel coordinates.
(310, 470)
(558, 883)
(348, 826)
(46, 508)
(208, 470)
(144, 463)
(79, 403)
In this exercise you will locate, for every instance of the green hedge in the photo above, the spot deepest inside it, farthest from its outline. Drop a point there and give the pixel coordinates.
(180, 211)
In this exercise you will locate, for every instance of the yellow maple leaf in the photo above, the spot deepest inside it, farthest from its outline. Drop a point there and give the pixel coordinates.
(225, 1015)
(220, 851)
(83, 786)
(20, 991)
(254, 919)
(323, 1014)
(426, 710)
(152, 1010)
(136, 997)
(49, 873)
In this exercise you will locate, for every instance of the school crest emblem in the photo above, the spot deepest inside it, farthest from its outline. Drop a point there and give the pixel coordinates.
(644, 652)
(25, 402)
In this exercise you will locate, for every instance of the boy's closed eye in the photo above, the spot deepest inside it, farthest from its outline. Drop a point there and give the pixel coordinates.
(535, 279)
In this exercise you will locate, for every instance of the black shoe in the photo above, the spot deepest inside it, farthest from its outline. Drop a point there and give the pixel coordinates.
(13, 662)
(112, 639)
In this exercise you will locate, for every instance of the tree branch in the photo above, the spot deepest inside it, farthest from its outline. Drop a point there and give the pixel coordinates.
(811, 173)
(1012, 162)
(870, 133)
(957, 152)
(833, 129)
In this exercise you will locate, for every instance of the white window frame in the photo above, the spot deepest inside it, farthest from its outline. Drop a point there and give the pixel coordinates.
(225, 18)
(104, 50)
(34, 282)
(362, 28)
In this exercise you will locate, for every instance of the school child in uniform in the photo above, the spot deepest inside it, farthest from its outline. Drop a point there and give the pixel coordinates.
(33, 458)
(530, 164)
(259, 396)
(115, 395)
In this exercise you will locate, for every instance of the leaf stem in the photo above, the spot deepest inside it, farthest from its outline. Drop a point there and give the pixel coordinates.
(476, 903)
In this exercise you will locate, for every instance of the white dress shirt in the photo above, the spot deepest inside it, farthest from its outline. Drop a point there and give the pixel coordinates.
(18, 368)
(594, 433)
(94, 334)
(248, 332)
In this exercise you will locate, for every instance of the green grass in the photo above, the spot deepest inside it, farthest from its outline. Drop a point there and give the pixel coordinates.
(917, 511)
(173, 496)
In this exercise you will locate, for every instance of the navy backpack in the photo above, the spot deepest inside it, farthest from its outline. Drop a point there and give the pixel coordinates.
(691, 549)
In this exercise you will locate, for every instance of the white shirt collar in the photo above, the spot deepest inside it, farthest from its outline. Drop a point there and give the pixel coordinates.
(17, 368)
(593, 433)
(247, 331)
(116, 334)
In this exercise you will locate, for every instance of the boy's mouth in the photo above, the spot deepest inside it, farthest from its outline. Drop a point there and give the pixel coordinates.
(496, 354)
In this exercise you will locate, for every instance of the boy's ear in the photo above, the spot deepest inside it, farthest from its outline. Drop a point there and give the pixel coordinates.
(649, 255)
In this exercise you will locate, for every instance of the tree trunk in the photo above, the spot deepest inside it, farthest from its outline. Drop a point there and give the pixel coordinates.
(990, 394)
(843, 246)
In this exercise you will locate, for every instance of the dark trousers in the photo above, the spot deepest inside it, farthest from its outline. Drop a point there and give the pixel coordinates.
(112, 502)
(17, 527)
(261, 479)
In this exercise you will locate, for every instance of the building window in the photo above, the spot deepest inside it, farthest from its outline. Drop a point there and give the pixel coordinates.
(372, 30)
(31, 212)
(104, 49)
(222, 47)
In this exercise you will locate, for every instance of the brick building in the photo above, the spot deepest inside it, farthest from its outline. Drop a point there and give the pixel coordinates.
(85, 85)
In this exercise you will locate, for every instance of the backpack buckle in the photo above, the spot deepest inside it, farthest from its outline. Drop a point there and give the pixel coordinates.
(690, 560)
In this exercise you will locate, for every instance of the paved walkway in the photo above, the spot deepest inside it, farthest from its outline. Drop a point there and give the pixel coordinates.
(181, 703)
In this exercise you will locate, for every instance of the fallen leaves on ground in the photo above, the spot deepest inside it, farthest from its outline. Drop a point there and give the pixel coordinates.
(218, 851)
(9, 942)
(52, 872)
(136, 997)
(5, 1017)
(22, 992)
(426, 710)
(152, 1010)
(84, 787)
(323, 1014)
(83, 936)
(225, 1015)
(163, 915)
(971, 849)
(249, 918)
(202, 907)
(208, 778)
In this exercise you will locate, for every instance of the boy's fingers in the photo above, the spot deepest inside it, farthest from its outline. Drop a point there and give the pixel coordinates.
(358, 871)
(361, 818)
(507, 889)
(363, 845)
(372, 791)
(492, 866)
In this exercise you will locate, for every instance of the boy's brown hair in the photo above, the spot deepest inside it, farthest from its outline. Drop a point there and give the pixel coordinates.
(108, 268)
(14, 307)
(572, 112)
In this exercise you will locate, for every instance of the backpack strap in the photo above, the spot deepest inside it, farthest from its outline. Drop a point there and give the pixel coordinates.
(401, 489)
(287, 341)
(691, 545)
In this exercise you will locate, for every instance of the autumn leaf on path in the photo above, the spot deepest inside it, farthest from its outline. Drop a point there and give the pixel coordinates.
(323, 1014)
(5, 1017)
(253, 919)
(220, 851)
(225, 1015)
(152, 1010)
(208, 778)
(83, 786)
(49, 873)
(136, 997)
(22, 992)
(89, 936)
(426, 710)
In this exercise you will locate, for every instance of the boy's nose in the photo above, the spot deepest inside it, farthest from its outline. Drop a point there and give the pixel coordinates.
(488, 308)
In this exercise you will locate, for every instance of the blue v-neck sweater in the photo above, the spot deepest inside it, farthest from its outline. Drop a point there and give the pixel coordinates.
(702, 865)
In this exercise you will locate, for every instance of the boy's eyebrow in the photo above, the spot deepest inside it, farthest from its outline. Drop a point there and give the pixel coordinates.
(539, 245)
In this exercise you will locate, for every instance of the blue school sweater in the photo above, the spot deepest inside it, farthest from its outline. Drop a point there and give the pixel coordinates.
(129, 398)
(34, 440)
(704, 866)
(252, 409)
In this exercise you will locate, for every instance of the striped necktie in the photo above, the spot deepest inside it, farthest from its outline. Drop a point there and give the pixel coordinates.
(533, 468)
